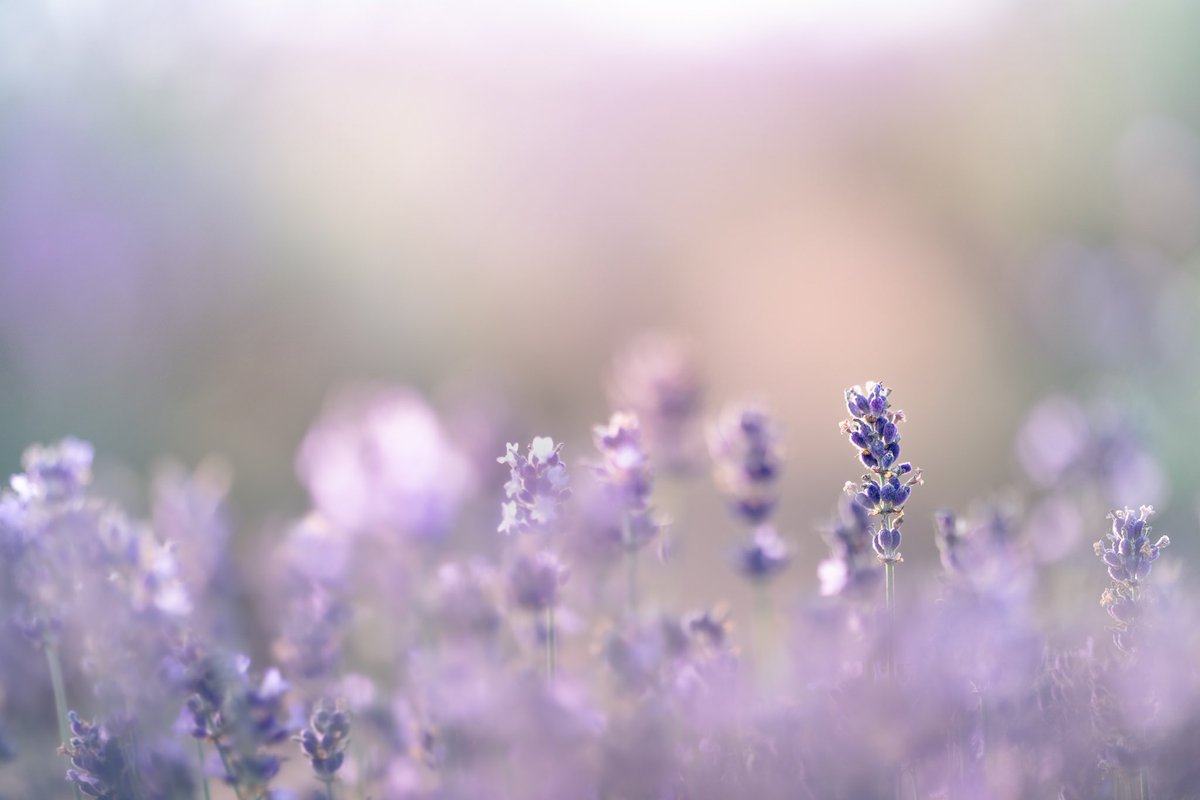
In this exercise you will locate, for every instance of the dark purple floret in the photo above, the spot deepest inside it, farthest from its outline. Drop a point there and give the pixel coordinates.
(1128, 552)
(765, 556)
(324, 741)
(98, 765)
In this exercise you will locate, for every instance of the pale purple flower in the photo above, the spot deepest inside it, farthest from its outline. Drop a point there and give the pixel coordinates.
(378, 461)
(537, 487)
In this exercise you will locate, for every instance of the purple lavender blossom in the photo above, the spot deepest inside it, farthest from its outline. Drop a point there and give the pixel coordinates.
(1128, 554)
(324, 741)
(535, 580)
(873, 431)
(99, 767)
(851, 569)
(538, 486)
(747, 455)
(765, 556)
(624, 471)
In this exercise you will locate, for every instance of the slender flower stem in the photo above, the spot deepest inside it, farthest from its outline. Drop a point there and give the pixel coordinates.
(550, 644)
(631, 571)
(889, 602)
(60, 699)
(203, 773)
(1143, 790)
(329, 790)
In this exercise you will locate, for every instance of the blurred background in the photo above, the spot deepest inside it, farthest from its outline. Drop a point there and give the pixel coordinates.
(216, 215)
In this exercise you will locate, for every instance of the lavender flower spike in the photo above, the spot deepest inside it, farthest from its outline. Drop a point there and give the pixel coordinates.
(537, 486)
(873, 431)
(1128, 554)
(624, 470)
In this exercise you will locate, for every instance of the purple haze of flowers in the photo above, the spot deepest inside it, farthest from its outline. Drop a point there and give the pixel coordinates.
(535, 580)
(624, 471)
(747, 455)
(1063, 443)
(537, 487)
(873, 431)
(851, 568)
(379, 461)
(764, 556)
(657, 379)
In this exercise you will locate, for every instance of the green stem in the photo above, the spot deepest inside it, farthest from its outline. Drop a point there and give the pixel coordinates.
(889, 602)
(1143, 789)
(550, 644)
(329, 790)
(237, 790)
(60, 700)
(203, 774)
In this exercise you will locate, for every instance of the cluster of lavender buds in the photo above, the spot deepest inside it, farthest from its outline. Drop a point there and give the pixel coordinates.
(747, 453)
(324, 742)
(241, 720)
(99, 767)
(537, 487)
(1128, 554)
(624, 472)
(872, 430)
(471, 667)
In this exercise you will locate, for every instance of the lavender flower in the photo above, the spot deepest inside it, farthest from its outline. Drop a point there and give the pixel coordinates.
(240, 719)
(98, 763)
(624, 471)
(873, 431)
(1128, 554)
(851, 568)
(538, 485)
(658, 380)
(535, 580)
(765, 556)
(324, 741)
(747, 457)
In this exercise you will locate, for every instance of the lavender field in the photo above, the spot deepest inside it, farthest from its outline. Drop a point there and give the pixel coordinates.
(624, 401)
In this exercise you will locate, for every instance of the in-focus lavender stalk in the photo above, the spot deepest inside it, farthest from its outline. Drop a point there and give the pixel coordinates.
(873, 430)
(1128, 554)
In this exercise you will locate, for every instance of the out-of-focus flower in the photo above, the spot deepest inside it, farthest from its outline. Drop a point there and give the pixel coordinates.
(378, 461)
(657, 378)
(324, 741)
(241, 719)
(464, 601)
(1063, 444)
(624, 471)
(535, 580)
(537, 487)
(747, 454)
(765, 556)
(99, 767)
(851, 569)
